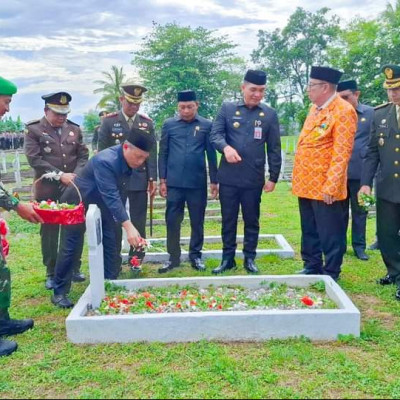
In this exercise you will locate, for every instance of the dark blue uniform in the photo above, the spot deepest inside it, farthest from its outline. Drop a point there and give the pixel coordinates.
(365, 116)
(384, 152)
(181, 162)
(114, 130)
(241, 184)
(101, 182)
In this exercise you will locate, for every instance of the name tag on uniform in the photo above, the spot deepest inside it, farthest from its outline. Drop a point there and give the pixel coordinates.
(257, 132)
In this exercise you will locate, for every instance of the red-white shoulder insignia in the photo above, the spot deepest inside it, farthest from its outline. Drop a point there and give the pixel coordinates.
(113, 114)
(145, 116)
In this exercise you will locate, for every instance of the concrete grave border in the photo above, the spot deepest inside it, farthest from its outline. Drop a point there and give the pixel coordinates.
(284, 250)
(218, 326)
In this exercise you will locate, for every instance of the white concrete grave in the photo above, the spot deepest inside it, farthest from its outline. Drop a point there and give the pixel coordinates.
(252, 325)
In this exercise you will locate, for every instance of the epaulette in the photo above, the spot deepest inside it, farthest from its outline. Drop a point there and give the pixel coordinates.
(382, 105)
(72, 122)
(113, 114)
(34, 121)
(145, 116)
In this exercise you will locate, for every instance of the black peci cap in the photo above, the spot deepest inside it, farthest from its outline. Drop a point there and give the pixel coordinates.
(141, 139)
(257, 77)
(187, 95)
(347, 85)
(326, 74)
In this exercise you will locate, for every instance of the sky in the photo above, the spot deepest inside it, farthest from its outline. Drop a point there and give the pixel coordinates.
(49, 46)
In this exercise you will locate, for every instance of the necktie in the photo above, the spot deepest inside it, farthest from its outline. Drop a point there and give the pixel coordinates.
(130, 122)
(398, 115)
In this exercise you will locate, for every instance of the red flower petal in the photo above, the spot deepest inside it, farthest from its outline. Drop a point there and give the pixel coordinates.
(307, 301)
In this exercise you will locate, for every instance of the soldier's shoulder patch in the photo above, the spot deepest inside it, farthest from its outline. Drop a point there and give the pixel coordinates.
(72, 122)
(145, 116)
(382, 106)
(34, 121)
(112, 114)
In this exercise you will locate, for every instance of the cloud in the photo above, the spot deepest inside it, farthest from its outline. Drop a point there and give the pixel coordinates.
(47, 46)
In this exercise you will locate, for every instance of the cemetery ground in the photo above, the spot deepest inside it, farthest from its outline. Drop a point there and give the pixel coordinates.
(46, 365)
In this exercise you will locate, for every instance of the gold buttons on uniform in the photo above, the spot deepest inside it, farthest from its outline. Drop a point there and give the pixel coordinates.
(396, 149)
(65, 166)
(64, 155)
(396, 175)
(397, 136)
(396, 163)
(381, 134)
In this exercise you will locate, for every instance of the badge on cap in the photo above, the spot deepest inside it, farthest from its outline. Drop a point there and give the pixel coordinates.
(236, 124)
(63, 100)
(389, 73)
(71, 133)
(381, 141)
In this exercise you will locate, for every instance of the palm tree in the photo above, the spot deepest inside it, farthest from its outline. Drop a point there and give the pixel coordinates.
(110, 89)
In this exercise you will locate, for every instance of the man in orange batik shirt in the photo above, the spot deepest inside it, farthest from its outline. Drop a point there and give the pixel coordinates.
(320, 173)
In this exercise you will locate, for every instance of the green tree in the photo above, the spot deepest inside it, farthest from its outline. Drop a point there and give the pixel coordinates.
(110, 89)
(174, 58)
(365, 47)
(287, 56)
(90, 120)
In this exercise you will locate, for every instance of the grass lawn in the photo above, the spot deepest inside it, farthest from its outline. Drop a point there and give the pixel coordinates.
(47, 366)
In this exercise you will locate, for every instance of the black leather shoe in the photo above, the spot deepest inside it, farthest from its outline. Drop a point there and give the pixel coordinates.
(49, 285)
(15, 326)
(250, 266)
(374, 246)
(198, 264)
(7, 347)
(360, 254)
(386, 280)
(305, 271)
(224, 266)
(61, 300)
(78, 277)
(167, 266)
(397, 294)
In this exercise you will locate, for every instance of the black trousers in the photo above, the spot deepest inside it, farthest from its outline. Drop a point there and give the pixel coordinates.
(322, 233)
(388, 223)
(231, 198)
(138, 215)
(358, 216)
(71, 250)
(196, 200)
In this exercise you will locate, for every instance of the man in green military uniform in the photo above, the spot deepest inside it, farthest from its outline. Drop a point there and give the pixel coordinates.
(10, 326)
(114, 130)
(384, 151)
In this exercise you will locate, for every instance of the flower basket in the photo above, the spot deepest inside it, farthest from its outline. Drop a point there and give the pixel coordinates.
(61, 214)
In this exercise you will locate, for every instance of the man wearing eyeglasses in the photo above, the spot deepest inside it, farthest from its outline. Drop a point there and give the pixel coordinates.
(320, 173)
(54, 144)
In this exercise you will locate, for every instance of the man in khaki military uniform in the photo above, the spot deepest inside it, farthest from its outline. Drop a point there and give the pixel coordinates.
(383, 155)
(54, 144)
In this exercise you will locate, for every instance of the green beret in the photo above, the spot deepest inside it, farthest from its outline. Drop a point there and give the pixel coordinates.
(7, 88)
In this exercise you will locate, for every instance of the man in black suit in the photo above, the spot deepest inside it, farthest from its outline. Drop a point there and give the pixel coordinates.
(114, 130)
(240, 132)
(384, 151)
(348, 91)
(183, 177)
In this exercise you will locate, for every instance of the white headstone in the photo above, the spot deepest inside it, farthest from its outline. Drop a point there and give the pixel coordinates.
(96, 259)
